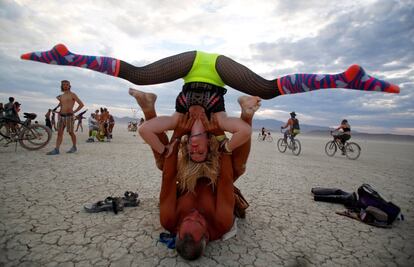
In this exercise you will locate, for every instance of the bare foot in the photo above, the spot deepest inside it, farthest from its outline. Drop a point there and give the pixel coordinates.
(145, 100)
(249, 104)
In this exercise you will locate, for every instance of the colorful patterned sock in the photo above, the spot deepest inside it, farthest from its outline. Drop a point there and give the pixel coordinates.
(60, 55)
(353, 78)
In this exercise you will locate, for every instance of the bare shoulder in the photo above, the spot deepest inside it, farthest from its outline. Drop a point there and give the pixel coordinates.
(74, 96)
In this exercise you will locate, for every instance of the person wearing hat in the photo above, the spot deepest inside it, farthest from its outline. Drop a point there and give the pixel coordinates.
(293, 125)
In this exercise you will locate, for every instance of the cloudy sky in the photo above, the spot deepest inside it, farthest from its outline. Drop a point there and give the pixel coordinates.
(273, 38)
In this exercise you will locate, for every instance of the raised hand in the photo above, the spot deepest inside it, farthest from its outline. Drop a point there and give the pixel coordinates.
(184, 125)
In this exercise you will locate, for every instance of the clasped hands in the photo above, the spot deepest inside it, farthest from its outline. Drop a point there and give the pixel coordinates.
(185, 124)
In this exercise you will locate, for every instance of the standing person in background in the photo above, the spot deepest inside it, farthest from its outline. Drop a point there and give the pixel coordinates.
(67, 101)
(79, 118)
(111, 124)
(11, 113)
(104, 122)
(47, 119)
(16, 110)
(1, 110)
(53, 121)
(97, 116)
(9, 108)
(93, 127)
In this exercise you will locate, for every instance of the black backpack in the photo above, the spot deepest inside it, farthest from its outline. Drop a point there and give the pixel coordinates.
(295, 124)
(368, 197)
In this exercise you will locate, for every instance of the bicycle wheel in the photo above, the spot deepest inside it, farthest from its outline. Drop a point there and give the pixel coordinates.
(281, 145)
(352, 150)
(330, 148)
(296, 147)
(4, 130)
(35, 137)
(260, 138)
(269, 138)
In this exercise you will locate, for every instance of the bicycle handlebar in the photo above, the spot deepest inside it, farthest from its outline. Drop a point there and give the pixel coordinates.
(335, 133)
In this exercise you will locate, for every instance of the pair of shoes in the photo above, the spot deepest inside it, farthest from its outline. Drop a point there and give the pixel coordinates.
(90, 140)
(55, 151)
(115, 204)
(109, 204)
(72, 150)
(130, 199)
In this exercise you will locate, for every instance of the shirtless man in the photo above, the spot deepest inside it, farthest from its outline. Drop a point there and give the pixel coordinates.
(66, 120)
(111, 124)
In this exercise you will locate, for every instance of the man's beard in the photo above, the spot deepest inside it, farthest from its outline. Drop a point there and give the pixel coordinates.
(189, 171)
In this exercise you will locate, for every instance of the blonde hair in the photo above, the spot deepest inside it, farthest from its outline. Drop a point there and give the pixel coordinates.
(189, 171)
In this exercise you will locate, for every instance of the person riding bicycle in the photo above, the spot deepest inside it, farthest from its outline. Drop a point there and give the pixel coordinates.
(343, 133)
(293, 124)
(264, 133)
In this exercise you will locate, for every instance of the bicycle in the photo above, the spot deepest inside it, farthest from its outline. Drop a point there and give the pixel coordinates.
(293, 144)
(30, 136)
(350, 149)
(268, 137)
(132, 127)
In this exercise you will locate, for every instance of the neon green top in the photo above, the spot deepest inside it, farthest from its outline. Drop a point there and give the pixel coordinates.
(204, 70)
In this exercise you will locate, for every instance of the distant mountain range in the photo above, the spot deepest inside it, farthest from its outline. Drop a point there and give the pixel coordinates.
(274, 126)
(312, 130)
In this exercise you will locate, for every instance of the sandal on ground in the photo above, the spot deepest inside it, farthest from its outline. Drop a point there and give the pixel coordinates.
(130, 199)
(114, 204)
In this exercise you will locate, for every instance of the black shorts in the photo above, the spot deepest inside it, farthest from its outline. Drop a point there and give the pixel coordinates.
(209, 96)
(343, 137)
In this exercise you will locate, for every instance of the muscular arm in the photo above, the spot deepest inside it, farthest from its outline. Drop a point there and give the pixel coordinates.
(168, 194)
(54, 110)
(287, 124)
(225, 195)
(80, 103)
